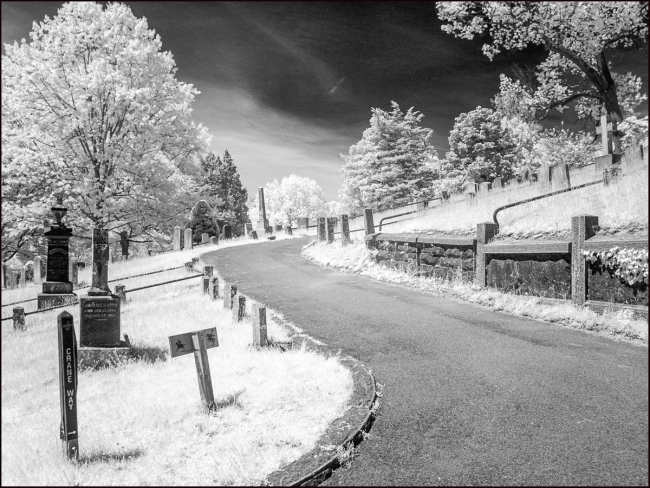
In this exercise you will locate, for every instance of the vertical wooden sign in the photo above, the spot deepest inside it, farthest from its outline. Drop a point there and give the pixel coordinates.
(68, 385)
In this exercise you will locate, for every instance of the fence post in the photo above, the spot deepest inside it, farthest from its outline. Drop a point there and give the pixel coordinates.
(369, 222)
(189, 266)
(582, 228)
(239, 308)
(321, 224)
(330, 229)
(206, 284)
(208, 270)
(484, 232)
(19, 318)
(259, 325)
(345, 230)
(215, 288)
(120, 291)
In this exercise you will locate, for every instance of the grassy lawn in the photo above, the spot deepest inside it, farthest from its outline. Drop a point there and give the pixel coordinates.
(141, 422)
(356, 258)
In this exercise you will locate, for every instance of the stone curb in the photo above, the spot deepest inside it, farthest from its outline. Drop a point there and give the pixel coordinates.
(316, 466)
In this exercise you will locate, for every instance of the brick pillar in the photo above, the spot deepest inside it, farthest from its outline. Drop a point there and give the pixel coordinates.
(368, 221)
(484, 232)
(582, 228)
(345, 230)
(322, 224)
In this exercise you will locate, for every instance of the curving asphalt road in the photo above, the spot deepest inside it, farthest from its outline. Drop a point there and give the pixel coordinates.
(470, 396)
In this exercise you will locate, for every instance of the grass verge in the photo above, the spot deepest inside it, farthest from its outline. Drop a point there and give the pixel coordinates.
(142, 423)
(357, 259)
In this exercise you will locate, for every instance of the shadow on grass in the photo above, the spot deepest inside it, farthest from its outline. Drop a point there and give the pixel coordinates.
(233, 400)
(102, 359)
(108, 457)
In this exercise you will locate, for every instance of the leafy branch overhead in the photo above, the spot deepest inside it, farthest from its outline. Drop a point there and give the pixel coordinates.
(580, 36)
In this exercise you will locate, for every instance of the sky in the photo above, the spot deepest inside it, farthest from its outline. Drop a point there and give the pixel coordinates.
(287, 87)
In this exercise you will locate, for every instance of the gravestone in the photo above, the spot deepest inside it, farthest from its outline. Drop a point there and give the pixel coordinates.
(484, 187)
(303, 222)
(120, 291)
(560, 178)
(19, 318)
(214, 240)
(288, 230)
(345, 230)
(204, 238)
(497, 183)
(57, 287)
(187, 239)
(214, 286)
(248, 228)
(227, 232)
(262, 222)
(544, 177)
(472, 189)
(23, 276)
(259, 325)
(37, 270)
(177, 238)
(254, 234)
(99, 317)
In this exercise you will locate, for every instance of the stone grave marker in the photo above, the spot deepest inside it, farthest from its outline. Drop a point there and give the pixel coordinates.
(560, 177)
(23, 276)
(206, 284)
(187, 239)
(259, 325)
(177, 238)
(214, 240)
(262, 222)
(100, 321)
(484, 187)
(254, 235)
(120, 291)
(248, 228)
(68, 385)
(19, 318)
(227, 232)
(214, 284)
(57, 287)
(497, 183)
(198, 342)
(208, 270)
(239, 308)
(544, 177)
(204, 238)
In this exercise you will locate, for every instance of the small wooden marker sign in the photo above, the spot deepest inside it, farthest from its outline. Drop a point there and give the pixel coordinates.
(198, 342)
(68, 385)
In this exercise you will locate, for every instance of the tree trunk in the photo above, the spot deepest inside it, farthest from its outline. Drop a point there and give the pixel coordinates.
(607, 90)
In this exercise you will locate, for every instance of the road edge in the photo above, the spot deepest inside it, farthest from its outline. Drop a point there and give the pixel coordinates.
(315, 466)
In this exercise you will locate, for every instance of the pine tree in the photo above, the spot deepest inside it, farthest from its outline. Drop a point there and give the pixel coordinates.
(389, 165)
(222, 188)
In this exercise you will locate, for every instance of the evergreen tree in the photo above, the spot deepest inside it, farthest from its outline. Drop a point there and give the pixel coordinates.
(389, 165)
(221, 187)
(202, 220)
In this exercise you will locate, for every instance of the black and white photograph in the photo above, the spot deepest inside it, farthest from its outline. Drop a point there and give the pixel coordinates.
(301, 243)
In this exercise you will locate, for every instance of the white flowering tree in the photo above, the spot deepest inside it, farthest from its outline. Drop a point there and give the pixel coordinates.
(390, 164)
(292, 197)
(579, 37)
(94, 119)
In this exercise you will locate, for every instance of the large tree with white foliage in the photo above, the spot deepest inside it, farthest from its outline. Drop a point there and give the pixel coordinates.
(580, 37)
(93, 118)
(390, 164)
(289, 199)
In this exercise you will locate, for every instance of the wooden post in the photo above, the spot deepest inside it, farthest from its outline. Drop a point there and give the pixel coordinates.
(215, 288)
(206, 285)
(582, 228)
(120, 291)
(2, 274)
(239, 308)
(368, 221)
(208, 270)
(203, 369)
(330, 221)
(345, 230)
(259, 325)
(229, 292)
(19, 318)
(189, 266)
(68, 385)
(484, 232)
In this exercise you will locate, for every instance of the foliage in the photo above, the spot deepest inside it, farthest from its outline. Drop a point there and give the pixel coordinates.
(629, 265)
(481, 149)
(554, 147)
(202, 221)
(634, 131)
(93, 119)
(389, 165)
(221, 186)
(579, 36)
(287, 200)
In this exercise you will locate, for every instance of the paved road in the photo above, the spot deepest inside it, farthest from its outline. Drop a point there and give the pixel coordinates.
(470, 397)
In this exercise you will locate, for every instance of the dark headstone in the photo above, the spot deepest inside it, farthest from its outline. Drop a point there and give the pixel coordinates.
(100, 321)
(227, 232)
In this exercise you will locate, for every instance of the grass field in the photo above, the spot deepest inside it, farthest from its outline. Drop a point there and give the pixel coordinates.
(356, 258)
(142, 422)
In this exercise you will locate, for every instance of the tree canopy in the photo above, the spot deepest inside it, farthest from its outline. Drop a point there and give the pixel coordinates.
(390, 164)
(94, 119)
(293, 197)
(579, 36)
